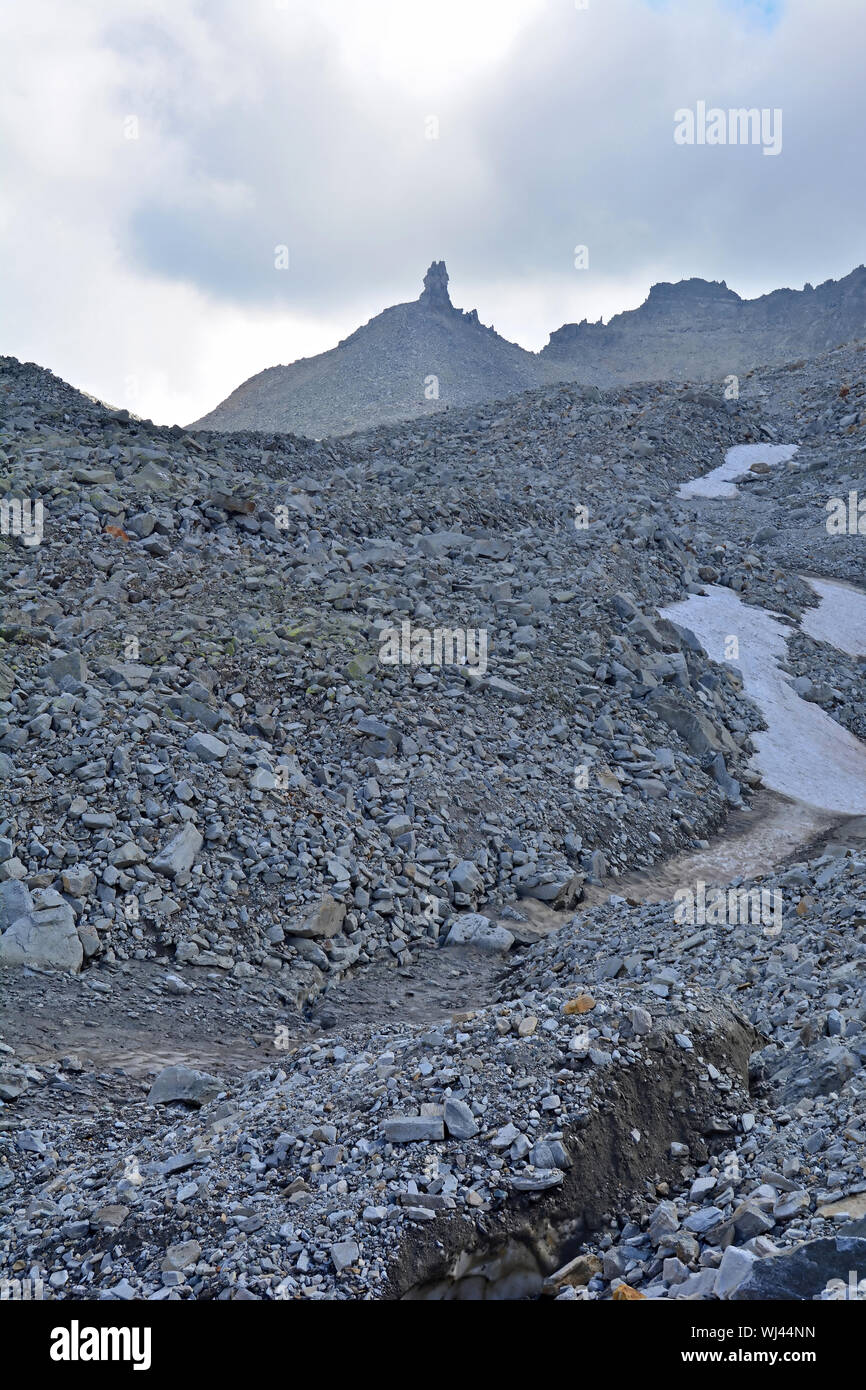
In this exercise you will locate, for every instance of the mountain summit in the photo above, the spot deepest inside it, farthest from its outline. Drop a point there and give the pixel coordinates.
(424, 356)
(412, 359)
(435, 292)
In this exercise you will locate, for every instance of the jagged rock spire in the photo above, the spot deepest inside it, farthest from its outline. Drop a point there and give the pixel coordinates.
(435, 292)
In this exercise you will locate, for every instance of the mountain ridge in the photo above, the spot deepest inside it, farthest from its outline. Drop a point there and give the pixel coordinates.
(736, 334)
(423, 356)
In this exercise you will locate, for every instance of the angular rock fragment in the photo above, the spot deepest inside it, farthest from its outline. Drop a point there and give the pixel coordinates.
(179, 1083)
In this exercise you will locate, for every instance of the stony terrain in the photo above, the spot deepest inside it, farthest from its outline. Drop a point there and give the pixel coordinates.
(313, 984)
(426, 357)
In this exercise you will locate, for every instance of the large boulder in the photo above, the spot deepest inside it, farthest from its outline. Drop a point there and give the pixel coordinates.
(194, 1088)
(562, 890)
(46, 938)
(474, 930)
(67, 664)
(804, 1272)
(207, 748)
(799, 1072)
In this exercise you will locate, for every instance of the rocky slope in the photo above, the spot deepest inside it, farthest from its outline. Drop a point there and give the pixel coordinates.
(424, 357)
(233, 837)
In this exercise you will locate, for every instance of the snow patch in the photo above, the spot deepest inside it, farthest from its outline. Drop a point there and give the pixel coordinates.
(840, 617)
(719, 481)
(803, 753)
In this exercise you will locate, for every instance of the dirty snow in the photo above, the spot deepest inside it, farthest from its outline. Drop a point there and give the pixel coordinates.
(719, 481)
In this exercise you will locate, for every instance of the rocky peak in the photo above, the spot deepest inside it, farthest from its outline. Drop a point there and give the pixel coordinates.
(689, 298)
(435, 293)
(693, 289)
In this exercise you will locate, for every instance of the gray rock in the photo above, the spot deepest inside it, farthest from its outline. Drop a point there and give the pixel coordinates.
(466, 878)
(70, 664)
(540, 1181)
(479, 933)
(549, 1153)
(459, 1120)
(45, 938)
(704, 1220)
(802, 1273)
(13, 1083)
(324, 921)
(79, 881)
(813, 1071)
(407, 1129)
(663, 1223)
(196, 1088)
(207, 748)
(563, 891)
(701, 735)
(641, 1021)
(178, 856)
(674, 1271)
(345, 1253)
(697, 1286)
(378, 729)
(736, 1266)
(751, 1220)
(791, 1204)
(508, 690)
(15, 902)
(127, 856)
(181, 1255)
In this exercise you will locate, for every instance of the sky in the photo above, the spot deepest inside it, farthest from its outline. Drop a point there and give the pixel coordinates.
(194, 190)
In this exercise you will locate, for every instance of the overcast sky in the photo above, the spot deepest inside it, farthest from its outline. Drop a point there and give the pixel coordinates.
(155, 153)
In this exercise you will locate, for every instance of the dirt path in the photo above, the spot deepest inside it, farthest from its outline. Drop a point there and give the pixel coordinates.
(123, 1023)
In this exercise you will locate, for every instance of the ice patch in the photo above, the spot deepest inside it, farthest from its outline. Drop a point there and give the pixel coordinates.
(719, 481)
(802, 753)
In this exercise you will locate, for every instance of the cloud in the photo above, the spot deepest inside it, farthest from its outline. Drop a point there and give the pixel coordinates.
(154, 156)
